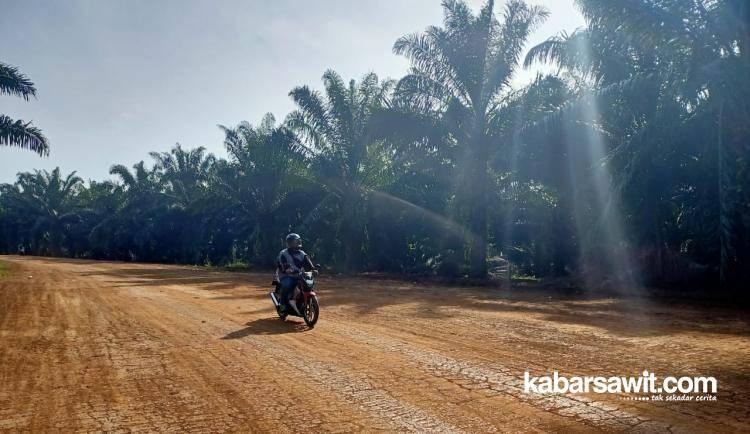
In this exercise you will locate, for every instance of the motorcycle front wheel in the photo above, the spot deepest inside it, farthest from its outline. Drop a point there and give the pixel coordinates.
(311, 312)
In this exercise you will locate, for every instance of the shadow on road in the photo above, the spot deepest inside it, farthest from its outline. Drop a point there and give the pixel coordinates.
(268, 326)
(629, 314)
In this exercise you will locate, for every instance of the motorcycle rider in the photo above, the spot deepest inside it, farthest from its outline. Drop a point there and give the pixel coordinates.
(291, 261)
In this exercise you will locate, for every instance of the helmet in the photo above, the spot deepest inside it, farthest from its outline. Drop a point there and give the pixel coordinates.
(294, 241)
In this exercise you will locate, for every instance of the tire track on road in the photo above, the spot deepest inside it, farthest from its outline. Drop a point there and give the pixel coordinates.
(354, 388)
(502, 380)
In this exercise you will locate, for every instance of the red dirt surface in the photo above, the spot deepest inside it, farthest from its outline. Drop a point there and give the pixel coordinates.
(102, 346)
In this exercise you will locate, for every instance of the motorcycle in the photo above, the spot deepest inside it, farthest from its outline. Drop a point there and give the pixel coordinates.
(303, 303)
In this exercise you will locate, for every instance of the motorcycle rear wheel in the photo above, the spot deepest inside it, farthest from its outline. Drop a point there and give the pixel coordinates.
(311, 312)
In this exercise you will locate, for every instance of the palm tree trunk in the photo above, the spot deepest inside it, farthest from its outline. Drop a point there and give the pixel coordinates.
(478, 212)
(55, 241)
(352, 232)
(478, 237)
(725, 221)
(266, 249)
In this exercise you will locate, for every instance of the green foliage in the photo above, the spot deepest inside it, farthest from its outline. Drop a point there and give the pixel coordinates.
(237, 266)
(13, 82)
(669, 80)
(636, 148)
(45, 207)
(463, 69)
(263, 179)
(346, 161)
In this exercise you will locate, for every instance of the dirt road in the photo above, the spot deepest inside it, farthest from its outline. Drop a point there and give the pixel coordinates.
(92, 346)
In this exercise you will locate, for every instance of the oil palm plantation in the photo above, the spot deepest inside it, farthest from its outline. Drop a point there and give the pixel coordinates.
(347, 161)
(46, 206)
(464, 69)
(186, 171)
(186, 175)
(266, 165)
(670, 80)
(101, 204)
(17, 132)
(648, 110)
(138, 226)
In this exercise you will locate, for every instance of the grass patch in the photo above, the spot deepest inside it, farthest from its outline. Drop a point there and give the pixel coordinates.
(3, 269)
(237, 266)
(521, 277)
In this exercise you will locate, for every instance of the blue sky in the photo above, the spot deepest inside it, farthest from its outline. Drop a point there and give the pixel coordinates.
(117, 79)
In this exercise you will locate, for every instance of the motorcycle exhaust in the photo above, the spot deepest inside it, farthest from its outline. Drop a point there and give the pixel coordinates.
(273, 299)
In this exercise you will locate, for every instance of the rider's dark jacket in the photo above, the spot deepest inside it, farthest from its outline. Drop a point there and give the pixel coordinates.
(297, 260)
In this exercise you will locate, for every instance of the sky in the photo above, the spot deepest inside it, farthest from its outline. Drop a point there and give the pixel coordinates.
(117, 79)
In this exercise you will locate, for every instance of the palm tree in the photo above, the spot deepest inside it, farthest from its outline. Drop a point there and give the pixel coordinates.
(48, 202)
(19, 133)
(347, 161)
(187, 172)
(266, 165)
(138, 224)
(670, 78)
(187, 175)
(101, 204)
(464, 70)
(142, 184)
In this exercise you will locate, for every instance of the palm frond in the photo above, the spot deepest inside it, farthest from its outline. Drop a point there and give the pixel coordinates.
(631, 86)
(644, 23)
(13, 82)
(23, 135)
(124, 174)
(519, 21)
(552, 50)
(312, 117)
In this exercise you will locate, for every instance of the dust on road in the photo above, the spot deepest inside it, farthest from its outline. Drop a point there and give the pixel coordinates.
(102, 346)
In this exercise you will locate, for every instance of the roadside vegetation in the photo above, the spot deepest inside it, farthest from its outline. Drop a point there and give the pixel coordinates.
(630, 161)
